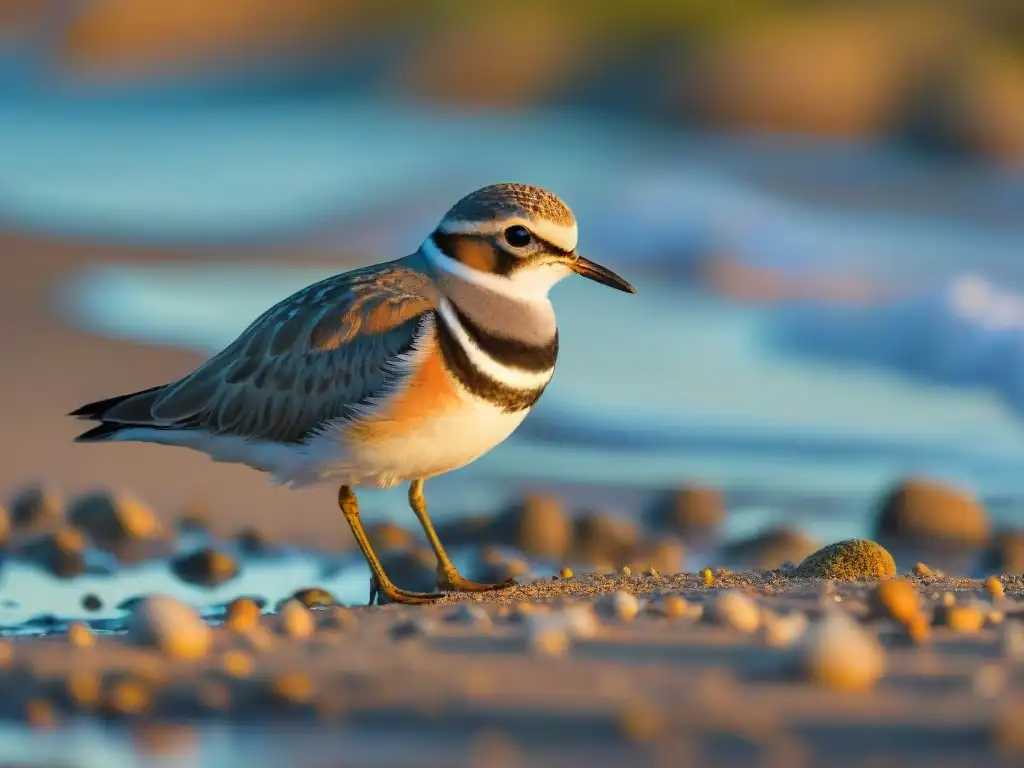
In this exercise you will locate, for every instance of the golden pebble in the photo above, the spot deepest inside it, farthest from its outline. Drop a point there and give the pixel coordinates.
(565, 573)
(640, 723)
(626, 571)
(128, 697)
(337, 617)
(297, 621)
(709, 577)
(238, 663)
(923, 571)
(80, 635)
(962, 618)
(994, 587)
(897, 599)
(242, 614)
(292, 688)
(83, 687)
(948, 598)
(40, 713)
(674, 606)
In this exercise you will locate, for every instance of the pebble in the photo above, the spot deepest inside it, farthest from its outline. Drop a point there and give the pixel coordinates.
(91, 602)
(1011, 641)
(580, 621)
(994, 587)
(674, 606)
(965, 619)
(619, 605)
(923, 571)
(293, 688)
(315, 597)
(473, 615)
(238, 663)
(737, 610)
(337, 617)
(407, 628)
(208, 567)
(36, 508)
(839, 654)
(83, 687)
(565, 573)
(782, 630)
(129, 696)
(40, 713)
(297, 621)
(708, 576)
(113, 518)
(242, 615)
(546, 635)
(80, 635)
(896, 599)
(170, 625)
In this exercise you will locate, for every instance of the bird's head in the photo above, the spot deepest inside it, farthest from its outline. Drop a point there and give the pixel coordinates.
(514, 239)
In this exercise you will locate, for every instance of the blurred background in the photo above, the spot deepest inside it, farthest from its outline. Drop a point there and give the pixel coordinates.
(822, 205)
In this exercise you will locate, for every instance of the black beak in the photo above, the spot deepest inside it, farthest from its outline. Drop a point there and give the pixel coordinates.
(599, 274)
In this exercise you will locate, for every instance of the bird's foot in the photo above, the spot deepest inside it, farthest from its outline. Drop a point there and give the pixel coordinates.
(453, 582)
(395, 595)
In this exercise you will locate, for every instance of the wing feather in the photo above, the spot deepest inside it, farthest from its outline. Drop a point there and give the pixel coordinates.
(327, 352)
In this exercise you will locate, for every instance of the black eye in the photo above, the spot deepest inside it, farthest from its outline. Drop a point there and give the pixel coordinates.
(517, 236)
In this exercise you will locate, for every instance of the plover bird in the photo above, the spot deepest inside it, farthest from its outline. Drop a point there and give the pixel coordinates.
(392, 373)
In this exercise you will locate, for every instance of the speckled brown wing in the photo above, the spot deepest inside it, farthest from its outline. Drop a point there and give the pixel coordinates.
(322, 354)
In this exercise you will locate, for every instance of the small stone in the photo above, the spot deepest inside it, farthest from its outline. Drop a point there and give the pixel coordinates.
(965, 619)
(737, 610)
(171, 626)
(408, 628)
(337, 617)
(923, 571)
(538, 525)
(80, 635)
(36, 508)
(242, 615)
(83, 688)
(207, 567)
(293, 688)
(112, 519)
(258, 638)
(897, 599)
(61, 553)
(579, 621)
(989, 681)
(565, 573)
(6, 653)
(674, 606)
(948, 598)
(238, 663)
(604, 537)
(128, 697)
(315, 597)
(40, 714)
(626, 572)
(922, 510)
(771, 548)
(691, 509)
(782, 631)
(652, 573)
(995, 617)
(850, 560)
(297, 621)
(1011, 641)
(994, 587)
(839, 654)
(91, 602)
(474, 615)
(619, 605)
(388, 537)
(546, 636)
(1006, 552)
(708, 576)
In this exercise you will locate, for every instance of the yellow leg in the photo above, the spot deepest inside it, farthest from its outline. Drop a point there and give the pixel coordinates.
(380, 582)
(447, 575)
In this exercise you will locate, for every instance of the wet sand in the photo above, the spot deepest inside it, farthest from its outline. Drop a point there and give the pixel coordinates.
(430, 684)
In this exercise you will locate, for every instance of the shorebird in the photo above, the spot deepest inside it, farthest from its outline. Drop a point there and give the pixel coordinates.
(396, 372)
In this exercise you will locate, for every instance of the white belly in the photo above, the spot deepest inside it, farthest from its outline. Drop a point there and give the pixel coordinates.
(441, 444)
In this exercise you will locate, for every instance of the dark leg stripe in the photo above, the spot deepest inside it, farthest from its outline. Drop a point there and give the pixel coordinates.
(509, 352)
(509, 399)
